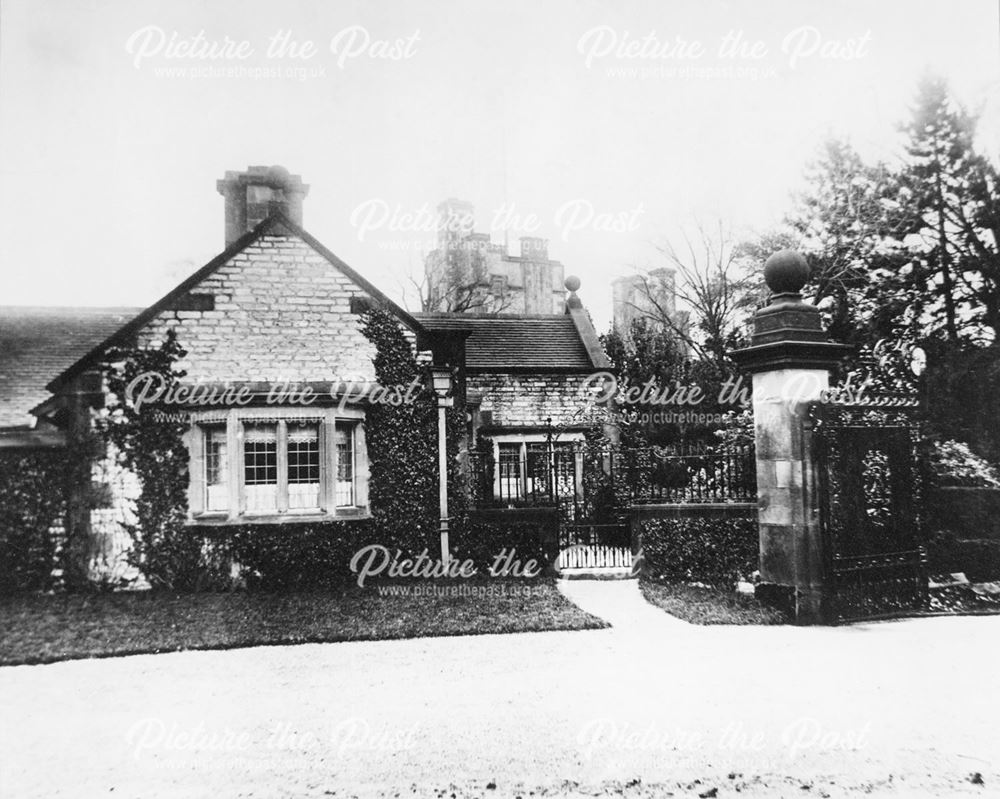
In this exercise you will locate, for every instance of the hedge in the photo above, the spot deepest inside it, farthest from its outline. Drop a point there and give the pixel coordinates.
(32, 500)
(528, 534)
(317, 555)
(291, 555)
(978, 559)
(715, 551)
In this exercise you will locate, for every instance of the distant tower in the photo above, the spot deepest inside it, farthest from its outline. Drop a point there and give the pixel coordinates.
(456, 219)
(651, 297)
(468, 272)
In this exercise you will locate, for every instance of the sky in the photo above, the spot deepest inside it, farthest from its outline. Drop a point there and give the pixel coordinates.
(605, 127)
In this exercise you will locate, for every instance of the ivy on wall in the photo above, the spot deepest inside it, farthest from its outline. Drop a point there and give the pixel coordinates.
(149, 442)
(402, 444)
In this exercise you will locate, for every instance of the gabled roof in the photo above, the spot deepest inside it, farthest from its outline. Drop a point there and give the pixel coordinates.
(276, 224)
(520, 343)
(36, 343)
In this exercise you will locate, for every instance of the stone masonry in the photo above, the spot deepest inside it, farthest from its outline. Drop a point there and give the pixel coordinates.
(518, 400)
(282, 313)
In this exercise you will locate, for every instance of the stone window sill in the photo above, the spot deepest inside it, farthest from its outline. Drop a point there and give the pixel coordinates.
(218, 520)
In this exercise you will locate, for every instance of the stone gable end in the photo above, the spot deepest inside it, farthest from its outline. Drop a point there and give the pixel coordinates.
(282, 312)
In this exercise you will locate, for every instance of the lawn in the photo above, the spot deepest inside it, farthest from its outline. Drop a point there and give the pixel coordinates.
(48, 628)
(699, 605)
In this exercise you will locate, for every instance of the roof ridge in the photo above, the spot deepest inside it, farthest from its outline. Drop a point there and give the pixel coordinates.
(458, 315)
(271, 224)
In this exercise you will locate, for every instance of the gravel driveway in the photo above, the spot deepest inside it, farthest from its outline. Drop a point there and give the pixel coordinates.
(647, 707)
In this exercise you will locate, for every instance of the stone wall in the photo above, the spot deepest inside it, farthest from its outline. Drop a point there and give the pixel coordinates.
(282, 313)
(109, 522)
(519, 400)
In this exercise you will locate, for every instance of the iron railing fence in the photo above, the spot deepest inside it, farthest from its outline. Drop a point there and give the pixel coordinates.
(587, 478)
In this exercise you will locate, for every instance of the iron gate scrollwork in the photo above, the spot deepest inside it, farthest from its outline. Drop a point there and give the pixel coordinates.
(869, 480)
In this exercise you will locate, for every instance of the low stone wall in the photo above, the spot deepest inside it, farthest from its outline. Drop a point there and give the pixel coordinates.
(692, 510)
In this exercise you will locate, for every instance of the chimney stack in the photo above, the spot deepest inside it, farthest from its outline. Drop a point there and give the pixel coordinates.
(254, 195)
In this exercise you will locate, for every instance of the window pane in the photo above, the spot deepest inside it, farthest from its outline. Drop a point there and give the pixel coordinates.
(538, 459)
(303, 465)
(509, 471)
(344, 440)
(216, 469)
(538, 469)
(260, 466)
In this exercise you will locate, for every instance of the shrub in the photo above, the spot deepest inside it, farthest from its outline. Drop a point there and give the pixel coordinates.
(482, 537)
(32, 500)
(977, 559)
(955, 464)
(716, 551)
(292, 556)
(961, 387)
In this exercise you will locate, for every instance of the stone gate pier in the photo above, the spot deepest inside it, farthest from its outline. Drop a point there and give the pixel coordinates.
(790, 358)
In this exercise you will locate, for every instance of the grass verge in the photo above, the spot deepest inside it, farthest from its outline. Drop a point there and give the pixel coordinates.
(49, 628)
(699, 605)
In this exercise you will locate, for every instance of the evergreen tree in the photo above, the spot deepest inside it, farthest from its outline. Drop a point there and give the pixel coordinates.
(952, 191)
(849, 224)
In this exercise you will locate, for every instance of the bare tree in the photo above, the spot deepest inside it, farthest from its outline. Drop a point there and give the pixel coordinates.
(712, 282)
(461, 283)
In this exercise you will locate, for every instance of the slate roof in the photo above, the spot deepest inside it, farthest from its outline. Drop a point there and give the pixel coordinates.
(37, 343)
(514, 342)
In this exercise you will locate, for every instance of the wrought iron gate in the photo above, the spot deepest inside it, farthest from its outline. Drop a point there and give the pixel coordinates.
(591, 534)
(869, 481)
(574, 479)
(592, 488)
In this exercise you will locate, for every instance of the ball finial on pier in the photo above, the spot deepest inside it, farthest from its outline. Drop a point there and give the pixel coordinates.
(786, 272)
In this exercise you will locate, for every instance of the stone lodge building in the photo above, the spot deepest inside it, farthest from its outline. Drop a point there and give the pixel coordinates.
(274, 307)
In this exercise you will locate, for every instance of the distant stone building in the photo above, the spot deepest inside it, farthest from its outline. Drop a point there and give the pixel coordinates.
(469, 272)
(651, 296)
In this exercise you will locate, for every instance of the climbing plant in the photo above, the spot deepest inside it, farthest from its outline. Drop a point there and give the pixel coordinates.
(148, 440)
(402, 443)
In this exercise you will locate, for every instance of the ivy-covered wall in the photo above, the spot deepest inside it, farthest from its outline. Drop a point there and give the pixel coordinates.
(149, 442)
(402, 443)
